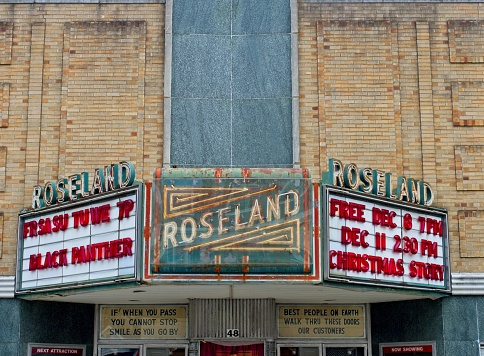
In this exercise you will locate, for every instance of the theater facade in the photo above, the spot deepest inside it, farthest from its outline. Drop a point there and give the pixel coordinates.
(228, 177)
(232, 261)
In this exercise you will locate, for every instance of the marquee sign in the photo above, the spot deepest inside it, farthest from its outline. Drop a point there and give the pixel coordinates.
(233, 223)
(88, 241)
(373, 240)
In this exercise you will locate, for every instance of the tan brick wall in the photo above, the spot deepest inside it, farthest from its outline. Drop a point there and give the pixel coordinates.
(81, 87)
(391, 86)
(399, 87)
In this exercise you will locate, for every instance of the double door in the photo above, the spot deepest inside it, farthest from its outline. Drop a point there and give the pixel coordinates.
(257, 349)
(147, 351)
(234, 349)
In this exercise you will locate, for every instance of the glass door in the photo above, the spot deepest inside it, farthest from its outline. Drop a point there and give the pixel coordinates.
(148, 350)
(322, 350)
(299, 351)
(119, 351)
(165, 351)
(214, 349)
(344, 351)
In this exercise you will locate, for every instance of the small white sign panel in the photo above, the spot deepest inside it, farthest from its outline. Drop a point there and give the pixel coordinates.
(90, 241)
(376, 241)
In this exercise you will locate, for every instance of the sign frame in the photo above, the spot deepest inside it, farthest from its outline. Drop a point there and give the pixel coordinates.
(329, 190)
(243, 271)
(321, 334)
(399, 348)
(137, 190)
(141, 320)
(116, 348)
(72, 347)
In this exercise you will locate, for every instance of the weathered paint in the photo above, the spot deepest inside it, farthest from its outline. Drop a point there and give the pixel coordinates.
(221, 223)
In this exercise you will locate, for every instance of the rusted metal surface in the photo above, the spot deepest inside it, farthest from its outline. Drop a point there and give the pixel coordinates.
(240, 222)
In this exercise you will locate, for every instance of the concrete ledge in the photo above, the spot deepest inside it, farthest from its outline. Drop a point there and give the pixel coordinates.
(468, 283)
(7, 287)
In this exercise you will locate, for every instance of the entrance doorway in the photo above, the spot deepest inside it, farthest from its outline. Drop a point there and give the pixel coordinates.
(213, 349)
(147, 350)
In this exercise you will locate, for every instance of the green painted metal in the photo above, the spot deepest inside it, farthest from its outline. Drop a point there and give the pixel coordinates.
(232, 221)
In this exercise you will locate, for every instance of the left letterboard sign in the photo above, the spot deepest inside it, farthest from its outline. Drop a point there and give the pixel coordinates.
(89, 241)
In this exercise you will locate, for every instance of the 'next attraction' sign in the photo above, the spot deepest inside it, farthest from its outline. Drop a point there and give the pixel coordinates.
(232, 223)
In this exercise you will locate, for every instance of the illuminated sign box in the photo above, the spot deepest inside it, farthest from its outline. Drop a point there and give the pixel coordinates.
(89, 241)
(378, 241)
(56, 349)
(232, 222)
(409, 349)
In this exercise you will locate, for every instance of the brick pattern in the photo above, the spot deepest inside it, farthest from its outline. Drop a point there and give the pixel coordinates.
(35, 106)
(102, 96)
(82, 87)
(466, 41)
(358, 99)
(427, 126)
(4, 104)
(467, 103)
(395, 86)
(6, 39)
(3, 168)
(469, 167)
(470, 229)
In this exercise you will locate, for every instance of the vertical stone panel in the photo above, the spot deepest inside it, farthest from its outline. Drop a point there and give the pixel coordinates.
(230, 93)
